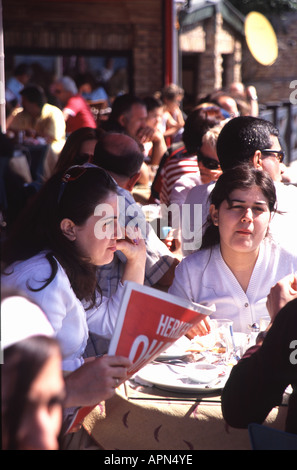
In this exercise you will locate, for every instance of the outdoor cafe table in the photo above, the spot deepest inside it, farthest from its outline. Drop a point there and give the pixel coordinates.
(147, 418)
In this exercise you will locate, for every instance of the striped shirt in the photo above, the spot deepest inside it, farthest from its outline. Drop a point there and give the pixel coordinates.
(172, 171)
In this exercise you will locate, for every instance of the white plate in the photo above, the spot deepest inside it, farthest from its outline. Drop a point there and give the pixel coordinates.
(175, 378)
(176, 350)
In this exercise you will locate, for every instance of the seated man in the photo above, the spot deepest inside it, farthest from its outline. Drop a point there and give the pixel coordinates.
(76, 111)
(37, 118)
(128, 116)
(120, 156)
(257, 383)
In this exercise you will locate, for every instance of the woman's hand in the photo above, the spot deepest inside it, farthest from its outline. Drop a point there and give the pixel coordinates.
(96, 380)
(200, 329)
(133, 247)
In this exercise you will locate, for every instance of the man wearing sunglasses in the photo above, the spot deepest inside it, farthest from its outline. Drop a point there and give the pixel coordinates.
(254, 141)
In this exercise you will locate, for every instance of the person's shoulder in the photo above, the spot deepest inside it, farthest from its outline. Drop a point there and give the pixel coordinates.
(187, 178)
(199, 191)
(273, 249)
(197, 259)
(37, 266)
(122, 192)
(75, 101)
(51, 108)
(177, 150)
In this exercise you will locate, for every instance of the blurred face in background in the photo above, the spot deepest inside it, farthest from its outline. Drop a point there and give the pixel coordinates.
(41, 420)
(134, 120)
(154, 118)
(208, 163)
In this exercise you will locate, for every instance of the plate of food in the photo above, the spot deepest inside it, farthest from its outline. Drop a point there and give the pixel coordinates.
(188, 377)
(177, 350)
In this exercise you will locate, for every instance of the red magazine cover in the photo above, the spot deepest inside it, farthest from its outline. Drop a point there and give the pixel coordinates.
(149, 321)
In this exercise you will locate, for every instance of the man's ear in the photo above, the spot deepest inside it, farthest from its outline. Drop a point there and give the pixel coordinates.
(122, 120)
(132, 181)
(257, 159)
(214, 214)
(68, 229)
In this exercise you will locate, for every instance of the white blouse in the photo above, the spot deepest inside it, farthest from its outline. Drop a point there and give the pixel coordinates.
(204, 277)
(64, 310)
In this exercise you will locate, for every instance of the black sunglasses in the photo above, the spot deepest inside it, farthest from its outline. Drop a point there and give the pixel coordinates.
(280, 154)
(209, 163)
(75, 172)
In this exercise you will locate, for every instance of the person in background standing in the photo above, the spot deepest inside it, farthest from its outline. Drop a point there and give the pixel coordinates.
(172, 96)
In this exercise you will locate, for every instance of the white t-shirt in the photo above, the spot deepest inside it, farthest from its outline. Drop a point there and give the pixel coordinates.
(204, 277)
(282, 227)
(66, 313)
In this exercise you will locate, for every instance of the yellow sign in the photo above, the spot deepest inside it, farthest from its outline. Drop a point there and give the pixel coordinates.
(261, 38)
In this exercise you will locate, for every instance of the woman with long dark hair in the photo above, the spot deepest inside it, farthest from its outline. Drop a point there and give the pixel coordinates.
(237, 263)
(52, 254)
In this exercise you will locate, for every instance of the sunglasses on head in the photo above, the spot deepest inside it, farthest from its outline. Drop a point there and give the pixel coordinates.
(209, 163)
(74, 173)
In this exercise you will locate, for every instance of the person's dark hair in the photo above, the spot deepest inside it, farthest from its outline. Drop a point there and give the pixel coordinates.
(242, 177)
(197, 124)
(152, 103)
(123, 104)
(71, 153)
(38, 228)
(22, 69)
(125, 163)
(23, 362)
(241, 137)
(83, 78)
(34, 94)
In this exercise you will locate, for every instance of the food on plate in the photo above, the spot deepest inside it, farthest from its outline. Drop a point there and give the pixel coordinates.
(211, 342)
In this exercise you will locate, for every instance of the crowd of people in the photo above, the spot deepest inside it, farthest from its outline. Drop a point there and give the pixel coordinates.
(215, 176)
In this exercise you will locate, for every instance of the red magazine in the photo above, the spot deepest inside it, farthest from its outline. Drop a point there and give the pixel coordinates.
(149, 321)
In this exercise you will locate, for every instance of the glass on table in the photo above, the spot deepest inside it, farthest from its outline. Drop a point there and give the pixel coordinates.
(264, 322)
(224, 346)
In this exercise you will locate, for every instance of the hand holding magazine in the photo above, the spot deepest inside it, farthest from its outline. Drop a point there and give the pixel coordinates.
(149, 321)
